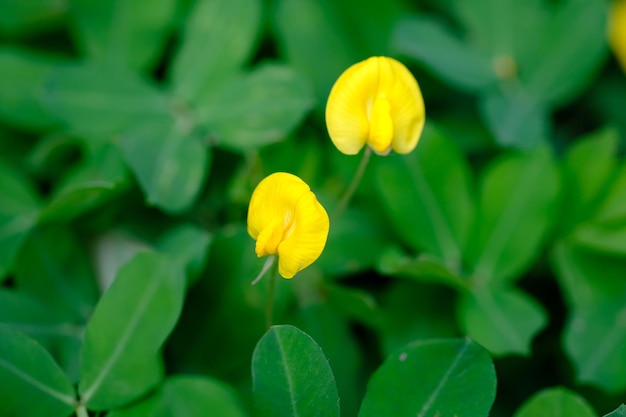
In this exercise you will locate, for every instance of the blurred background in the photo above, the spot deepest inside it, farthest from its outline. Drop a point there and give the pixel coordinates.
(131, 125)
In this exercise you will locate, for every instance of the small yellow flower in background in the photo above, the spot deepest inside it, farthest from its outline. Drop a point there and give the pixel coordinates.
(617, 31)
(286, 219)
(376, 102)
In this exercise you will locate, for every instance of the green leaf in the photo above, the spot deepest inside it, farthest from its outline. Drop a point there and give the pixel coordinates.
(23, 16)
(120, 357)
(572, 49)
(19, 208)
(187, 396)
(428, 197)
(255, 109)
(218, 38)
(424, 267)
(32, 383)
(53, 266)
(169, 161)
(503, 320)
(189, 245)
(122, 33)
(620, 412)
(609, 239)
(21, 100)
(612, 209)
(429, 42)
(95, 100)
(587, 168)
(59, 336)
(445, 377)
(518, 202)
(291, 376)
(309, 32)
(595, 334)
(354, 303)
(516, 119)
(100, 177)
(555, 402)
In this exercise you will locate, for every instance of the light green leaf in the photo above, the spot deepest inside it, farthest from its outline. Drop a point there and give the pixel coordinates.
(21, 100)
(255, 109)
(169, 161)
(428, 196)
(120, 357)
(32, 383)
(518, 202)
(503, 320)
(424, 267)
(122, 33)
(19, 208)
(620, 412)
(187, 396)
(429, 42)
(53, 266)
(555, 402)
(572, 49)
(218, 38)
(309, 32)
(517, 120)
(446, 377)
(291, 376)
(612, 209)
(610, 239)
(588, 168)
(95, 100)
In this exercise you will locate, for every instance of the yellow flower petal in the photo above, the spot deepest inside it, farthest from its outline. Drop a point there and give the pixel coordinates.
(286, 219)
(617, 31)
(375, 102)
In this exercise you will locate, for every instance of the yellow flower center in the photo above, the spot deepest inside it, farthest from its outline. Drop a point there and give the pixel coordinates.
(381, 126)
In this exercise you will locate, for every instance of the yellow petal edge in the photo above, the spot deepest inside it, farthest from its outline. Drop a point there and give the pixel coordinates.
(285, 219)
(376, 102)
(617, 31)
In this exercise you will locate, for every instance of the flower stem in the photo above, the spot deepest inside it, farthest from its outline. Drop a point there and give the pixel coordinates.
(356, 180)
(269, 308)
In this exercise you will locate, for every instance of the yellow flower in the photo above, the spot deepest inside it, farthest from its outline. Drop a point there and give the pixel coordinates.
(375, 102)
(286, 219)
(617, 31)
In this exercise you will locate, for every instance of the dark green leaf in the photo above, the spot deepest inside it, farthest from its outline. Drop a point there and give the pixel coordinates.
(572, 49)
(120, 357)
(189, 245)
(428, 197)
(187, 396)
(255, 109)
(22, 16)
(218, 38)
(516, 120)
(32, 383)
(98, 178)
(555, 402)
(19, 208)
(504, 321)
(53, 266)
(445, 377)
(21, 100)
(612, 209)
(354, 303)
(170, 162)
(424, 267)
(429, 42)
(518, 202)
(291, 376)
(122, 33)
(96, 100)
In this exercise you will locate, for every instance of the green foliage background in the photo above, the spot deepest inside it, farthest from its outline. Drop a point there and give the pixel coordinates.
(482, 274)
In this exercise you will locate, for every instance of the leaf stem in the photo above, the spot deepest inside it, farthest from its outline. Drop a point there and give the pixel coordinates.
(356, 180)
(269, 308)
(81, 411)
